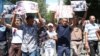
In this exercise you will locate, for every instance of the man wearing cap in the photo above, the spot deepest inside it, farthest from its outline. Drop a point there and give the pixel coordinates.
(63, 43)
(50, 43)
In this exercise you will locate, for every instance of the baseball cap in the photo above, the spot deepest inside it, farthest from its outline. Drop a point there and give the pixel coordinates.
(50, 24)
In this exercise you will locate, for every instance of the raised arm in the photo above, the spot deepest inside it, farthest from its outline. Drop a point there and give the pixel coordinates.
(12, 21)
(40, 19)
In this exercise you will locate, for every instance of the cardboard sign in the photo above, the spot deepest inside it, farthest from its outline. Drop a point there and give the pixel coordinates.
(64, 11)
(79, 5)
(27, 7)
(9, 9)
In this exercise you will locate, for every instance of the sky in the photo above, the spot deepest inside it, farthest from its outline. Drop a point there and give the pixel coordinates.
(52, 2)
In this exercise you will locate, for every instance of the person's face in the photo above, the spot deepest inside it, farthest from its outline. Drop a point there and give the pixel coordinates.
(60, 21)
(17, 22)
(64, 22)
(30, 21)
(50, 28)
(92, 19)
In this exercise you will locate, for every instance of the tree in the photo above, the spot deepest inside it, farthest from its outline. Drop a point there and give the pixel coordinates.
(13, 1)
(67, 2)
(48, 17)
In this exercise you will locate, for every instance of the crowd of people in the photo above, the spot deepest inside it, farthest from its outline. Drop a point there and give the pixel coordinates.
(31, 37)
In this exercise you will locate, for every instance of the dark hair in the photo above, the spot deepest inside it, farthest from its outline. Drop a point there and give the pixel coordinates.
(18, 17)
(29, 16)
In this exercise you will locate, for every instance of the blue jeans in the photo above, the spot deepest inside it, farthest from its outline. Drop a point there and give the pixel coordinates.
(34, 53)
(63, 49)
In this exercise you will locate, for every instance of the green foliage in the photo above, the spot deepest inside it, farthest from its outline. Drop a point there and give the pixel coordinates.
(14, 1)
(48, 17)
(67, 2)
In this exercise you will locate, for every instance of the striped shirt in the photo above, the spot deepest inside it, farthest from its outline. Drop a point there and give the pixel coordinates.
(91, 30)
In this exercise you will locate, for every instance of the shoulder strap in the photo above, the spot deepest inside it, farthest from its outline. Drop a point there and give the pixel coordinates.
(67, 28)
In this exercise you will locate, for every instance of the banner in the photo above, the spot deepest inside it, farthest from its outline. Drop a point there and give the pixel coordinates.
(64, 11)
(27, 7)
(79, 5)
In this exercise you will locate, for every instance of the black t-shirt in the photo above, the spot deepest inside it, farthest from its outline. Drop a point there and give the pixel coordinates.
(2, 33)
(64, 35)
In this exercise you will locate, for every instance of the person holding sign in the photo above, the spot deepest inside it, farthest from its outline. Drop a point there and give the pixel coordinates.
(3, 38)
(30, 39)
(15, 48)
(64, 35)
(30, 27)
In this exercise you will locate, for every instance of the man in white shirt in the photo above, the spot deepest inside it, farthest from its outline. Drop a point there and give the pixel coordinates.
(91, 39)
(50, 43)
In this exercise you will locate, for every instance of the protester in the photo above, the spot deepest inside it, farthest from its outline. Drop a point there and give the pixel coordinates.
(91, 39)
(98, 34)
(50, 43)
(42, 36)
(15, 48)
(3, 38)
(64, 33)
(29, 42)
(76, 39)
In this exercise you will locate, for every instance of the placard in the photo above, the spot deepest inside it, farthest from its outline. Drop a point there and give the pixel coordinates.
(27, 7)
(64, 11)
(79, 5)
(9, 9)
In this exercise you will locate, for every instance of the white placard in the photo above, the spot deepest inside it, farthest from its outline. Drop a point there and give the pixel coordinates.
(9, 9)
(27, 7)
(79, 5)
(64, 11)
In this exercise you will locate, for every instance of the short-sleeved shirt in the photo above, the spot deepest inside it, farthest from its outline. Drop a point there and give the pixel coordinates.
(64, 35)
(16, 35)
(91, 30)
(29, 42)
(76, 34)
(50, 43)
